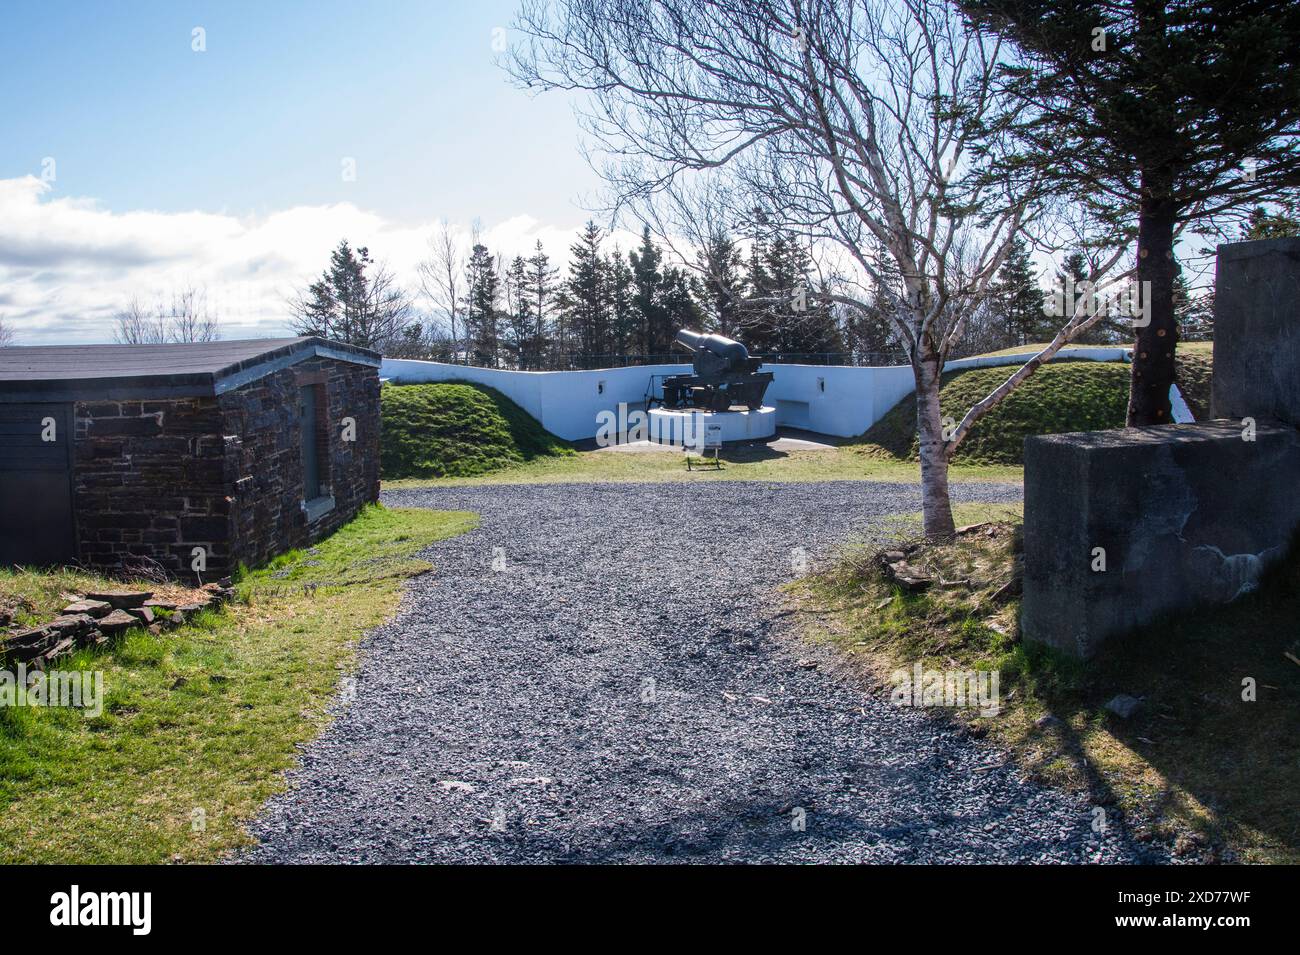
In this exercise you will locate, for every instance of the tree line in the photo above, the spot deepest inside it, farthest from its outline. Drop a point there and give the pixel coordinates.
(608, 306)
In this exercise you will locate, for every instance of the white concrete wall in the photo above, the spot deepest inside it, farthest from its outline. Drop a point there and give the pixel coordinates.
(829, 399)
(565, 402)
(841, 401)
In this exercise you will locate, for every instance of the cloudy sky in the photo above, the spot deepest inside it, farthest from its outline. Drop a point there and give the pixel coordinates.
(132, 163)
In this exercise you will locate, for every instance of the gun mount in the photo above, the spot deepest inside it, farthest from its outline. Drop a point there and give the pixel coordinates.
(724, 375)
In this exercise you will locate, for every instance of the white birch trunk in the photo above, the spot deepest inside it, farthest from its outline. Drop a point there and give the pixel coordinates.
(936, 507)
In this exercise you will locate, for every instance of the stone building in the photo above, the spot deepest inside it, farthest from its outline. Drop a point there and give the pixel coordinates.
(195, 458)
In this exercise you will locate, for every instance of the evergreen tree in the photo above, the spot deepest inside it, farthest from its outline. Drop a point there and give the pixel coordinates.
(586, 296)
(482, 301)
(519, 325)
(355, 301)
(676, 306)
(653, 335)
(788, 310)
(624, 319)
(720, 287)
(1017, 295)
(1154, 115)
(540, 289)
(1263, 224)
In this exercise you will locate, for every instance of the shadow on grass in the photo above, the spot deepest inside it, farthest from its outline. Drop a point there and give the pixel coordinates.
(1210, 760)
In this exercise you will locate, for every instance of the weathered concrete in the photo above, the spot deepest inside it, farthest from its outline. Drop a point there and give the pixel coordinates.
(1257, 331)
(1185, 515)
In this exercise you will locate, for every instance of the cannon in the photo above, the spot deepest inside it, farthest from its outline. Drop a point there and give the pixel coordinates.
(724, 375)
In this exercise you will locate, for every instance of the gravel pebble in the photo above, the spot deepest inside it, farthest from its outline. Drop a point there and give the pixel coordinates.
(628, 689)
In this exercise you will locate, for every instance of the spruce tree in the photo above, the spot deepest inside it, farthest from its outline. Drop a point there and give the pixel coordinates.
(1017, 295)
(721, 284)
(624, 318)
(540, 289)
(482, 302)
(519, 323)
(586, 297)
(646, 283)
(1154, 114)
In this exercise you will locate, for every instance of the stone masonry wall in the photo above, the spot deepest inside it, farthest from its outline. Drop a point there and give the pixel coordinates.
(148, 484)
(263, 454)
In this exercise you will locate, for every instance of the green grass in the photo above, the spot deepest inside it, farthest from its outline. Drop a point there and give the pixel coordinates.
(457, 429)
(1197, 765)
(1058, 397)
(205, 717)
(1195, 367)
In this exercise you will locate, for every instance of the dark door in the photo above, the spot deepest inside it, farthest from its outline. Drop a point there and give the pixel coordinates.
(310, 459)
(36, 484)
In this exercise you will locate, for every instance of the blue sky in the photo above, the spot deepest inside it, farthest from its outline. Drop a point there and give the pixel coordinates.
(131, 164)
(263, 118)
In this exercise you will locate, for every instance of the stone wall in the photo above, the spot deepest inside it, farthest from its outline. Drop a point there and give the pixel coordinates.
(263, 459)
(152, 480)
(149, 483)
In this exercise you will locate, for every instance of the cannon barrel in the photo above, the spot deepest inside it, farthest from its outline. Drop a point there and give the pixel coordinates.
(733, 352)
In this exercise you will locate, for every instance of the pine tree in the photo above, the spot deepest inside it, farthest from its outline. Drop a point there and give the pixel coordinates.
(518, 327)
(1153, 115)
(586, 296)
(652, 336)
(624, 318)
(676, 307)
(1017, 295)
(1263, 224)
(482, 300)
(355, 301)
(720, 287)
(541, 288)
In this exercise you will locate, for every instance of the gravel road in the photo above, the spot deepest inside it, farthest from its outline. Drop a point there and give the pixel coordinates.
(627, 689)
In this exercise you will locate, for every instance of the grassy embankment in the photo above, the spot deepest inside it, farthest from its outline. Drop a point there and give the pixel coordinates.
(200, 722)
(458, 430)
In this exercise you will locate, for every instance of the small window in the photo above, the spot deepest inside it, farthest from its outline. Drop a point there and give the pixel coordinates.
(315, 444)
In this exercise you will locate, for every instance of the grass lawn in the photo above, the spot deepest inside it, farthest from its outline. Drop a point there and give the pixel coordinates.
(739, 464)
(1196, 766)
(200, 722)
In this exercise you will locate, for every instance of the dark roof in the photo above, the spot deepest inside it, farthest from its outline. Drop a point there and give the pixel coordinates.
(108, 372)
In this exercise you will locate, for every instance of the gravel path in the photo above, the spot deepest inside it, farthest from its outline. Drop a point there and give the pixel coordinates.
(624, 691)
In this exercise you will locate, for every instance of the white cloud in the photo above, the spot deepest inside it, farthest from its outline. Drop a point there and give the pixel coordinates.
(68, 264)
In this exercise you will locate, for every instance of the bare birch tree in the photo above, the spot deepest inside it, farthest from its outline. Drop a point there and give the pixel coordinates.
(185, 317)
(6, 334)
(867, 123)
(440, 274)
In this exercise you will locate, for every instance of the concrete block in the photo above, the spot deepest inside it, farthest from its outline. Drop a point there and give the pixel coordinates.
(1185, 515)
(1257, 331)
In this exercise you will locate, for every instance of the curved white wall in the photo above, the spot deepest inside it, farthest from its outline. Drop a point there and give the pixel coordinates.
(829, 399)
